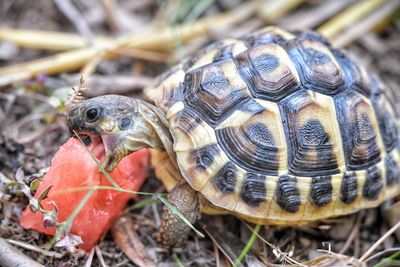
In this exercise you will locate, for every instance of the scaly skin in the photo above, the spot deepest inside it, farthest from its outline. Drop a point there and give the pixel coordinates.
(173, 231)
(126, 125)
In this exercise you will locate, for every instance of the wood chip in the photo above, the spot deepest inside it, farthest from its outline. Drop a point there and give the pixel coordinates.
(130, 243)
(10, 256)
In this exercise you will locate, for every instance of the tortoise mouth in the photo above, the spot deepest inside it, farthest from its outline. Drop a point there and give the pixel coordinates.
(103, 147)
(95, 144)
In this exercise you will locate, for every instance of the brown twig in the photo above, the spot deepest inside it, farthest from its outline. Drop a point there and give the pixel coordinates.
(35, 248)
(352, 235)
(357, 245)
(76, 18)
(338, 260)
(8, 101)
(366, 24)
(15, 129)
(90, 66)
(273, 10)
(10, 256)
(144, 55)
(89, 260)
(350, 239)
(129, 242)
(47, 40)
(348, 17)
(216, 254)
(226, 241)
(155, 40)
(116, 84)
(137, 5)
(99, 255)
(380, 240)
(313, 17)
(109, 7)
(381, 253)
(277, 249)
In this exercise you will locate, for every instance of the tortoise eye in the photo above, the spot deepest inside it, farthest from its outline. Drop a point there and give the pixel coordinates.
(92, 114)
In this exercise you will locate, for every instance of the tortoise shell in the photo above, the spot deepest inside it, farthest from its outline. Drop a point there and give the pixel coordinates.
(280, 127)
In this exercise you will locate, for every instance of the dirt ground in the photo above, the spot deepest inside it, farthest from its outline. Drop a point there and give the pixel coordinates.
(31, 130)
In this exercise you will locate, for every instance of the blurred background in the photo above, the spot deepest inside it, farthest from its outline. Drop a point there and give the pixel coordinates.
(120, 46)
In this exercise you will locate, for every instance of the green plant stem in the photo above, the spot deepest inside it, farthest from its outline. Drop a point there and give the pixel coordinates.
(248, 246)
(197, 10)
(143, 203)
(177, 260)
(75, 212)
(389, 261)
(68, 223)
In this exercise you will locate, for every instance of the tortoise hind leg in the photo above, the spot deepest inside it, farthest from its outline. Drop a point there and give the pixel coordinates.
(173, 231)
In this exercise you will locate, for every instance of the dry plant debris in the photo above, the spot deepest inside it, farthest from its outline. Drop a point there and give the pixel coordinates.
(121, 46)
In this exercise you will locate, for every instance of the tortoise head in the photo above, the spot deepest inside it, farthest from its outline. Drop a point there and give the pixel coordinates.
(107, 121)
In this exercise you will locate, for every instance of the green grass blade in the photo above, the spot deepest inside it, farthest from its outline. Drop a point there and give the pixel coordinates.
(78, 208)
(178, 214)
(198, 9)
(248, 246)
(68, 223)
(143, 203)
(390, 261)
(177, 260)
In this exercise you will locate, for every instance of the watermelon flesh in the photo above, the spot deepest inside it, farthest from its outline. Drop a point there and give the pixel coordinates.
(73, 167)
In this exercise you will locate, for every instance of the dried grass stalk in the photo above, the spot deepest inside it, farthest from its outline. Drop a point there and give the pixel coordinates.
(156, 40)
(349, 17)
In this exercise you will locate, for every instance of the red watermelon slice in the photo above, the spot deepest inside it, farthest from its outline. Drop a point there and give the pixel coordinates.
(73, 167)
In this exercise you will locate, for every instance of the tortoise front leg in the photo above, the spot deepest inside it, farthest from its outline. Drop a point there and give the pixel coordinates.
(173, 231)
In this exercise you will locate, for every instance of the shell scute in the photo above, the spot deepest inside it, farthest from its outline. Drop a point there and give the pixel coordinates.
(392, 171)
(313, 134)
(321, 190)
(356, 78)
(255, 141)
(363, 145)
(268, 72)
(373, 183)
(317, 66)
(204, 157)
(225, 180)
(191, 130)
(349, 187)
(288, 194)
(253, 191)
(386, 116)
(214, 91)
(167, 89)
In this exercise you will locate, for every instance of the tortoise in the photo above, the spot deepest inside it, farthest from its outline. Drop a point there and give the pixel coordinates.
(276, 128)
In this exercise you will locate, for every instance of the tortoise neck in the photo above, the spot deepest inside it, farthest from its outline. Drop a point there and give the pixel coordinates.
(155, 130)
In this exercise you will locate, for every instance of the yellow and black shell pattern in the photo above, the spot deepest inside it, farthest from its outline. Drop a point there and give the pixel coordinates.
(281, 128)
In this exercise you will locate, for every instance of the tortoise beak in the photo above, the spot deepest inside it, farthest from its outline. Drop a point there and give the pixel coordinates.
(113, 152)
